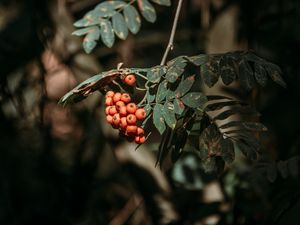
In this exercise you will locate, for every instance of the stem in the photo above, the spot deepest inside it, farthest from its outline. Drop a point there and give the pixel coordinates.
(171, 40)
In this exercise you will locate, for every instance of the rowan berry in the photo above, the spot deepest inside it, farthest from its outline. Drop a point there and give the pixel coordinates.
(140, 114)
(123, 111)
(131, 108)
(131, 129)
(109, 101)
(125, 98)
(123, 123)
(117, 97)
(116, 119)
(119, 104)
(110, 94)
(140, 131)
(112, 110)
(140, 140)
(130, 79)
(131, 119)
(107, 110)
(109, 119)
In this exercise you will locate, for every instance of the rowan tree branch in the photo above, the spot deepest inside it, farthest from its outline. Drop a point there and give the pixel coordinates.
(172, 35)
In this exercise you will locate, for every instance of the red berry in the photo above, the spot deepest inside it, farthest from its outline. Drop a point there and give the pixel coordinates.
(117, 97)
(140, 114)
(131, 119)
(140, 131)
(119, 104)
(123, 111)
(131, 129)
(107, 110)
(123, 123)
(110, 94)
(131, 108)
(109, 119)
(140, 140)
(125, 98)
(116, 120)
(112, 110)
(109, 101)
(130, 79)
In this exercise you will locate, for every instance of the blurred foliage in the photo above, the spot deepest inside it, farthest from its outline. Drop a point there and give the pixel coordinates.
(65, 166)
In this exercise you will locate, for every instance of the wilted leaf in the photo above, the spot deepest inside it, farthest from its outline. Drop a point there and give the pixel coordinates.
(194, 99)
(155, 73)
(169, 114)
(249, 151)
(274, 72)
(161, 91)
(184, 86)
(158, 118)
(147, 10)
(119, 26)
(227, 70)
(132, 19)
(227, 150)
(260, 74)
(162, 2)
(107, 33)
(209, 72)
(246, 75)
(178, 106)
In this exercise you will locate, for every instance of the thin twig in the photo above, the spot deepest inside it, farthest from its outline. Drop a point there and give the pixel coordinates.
(171, 40)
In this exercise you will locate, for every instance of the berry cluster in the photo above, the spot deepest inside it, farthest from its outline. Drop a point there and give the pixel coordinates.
(123, 114)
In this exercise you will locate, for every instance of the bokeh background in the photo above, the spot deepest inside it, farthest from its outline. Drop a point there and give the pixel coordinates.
(67, 166)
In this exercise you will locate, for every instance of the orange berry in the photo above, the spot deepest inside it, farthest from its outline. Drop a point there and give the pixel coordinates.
(116, 119)
(112, 110)
(130, 79)
(109, 101)
(131, 129)
(131, 108)
(110, 94)
(107, 110)
(125, 98)
(131, 119)
(123, 123)
(140, 114)
(119, 104)
(140, 131)
(109, 119)
(140, 140)
(123, 111)
(117, 97)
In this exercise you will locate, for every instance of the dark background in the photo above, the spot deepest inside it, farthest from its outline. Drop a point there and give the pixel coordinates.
(66, 166)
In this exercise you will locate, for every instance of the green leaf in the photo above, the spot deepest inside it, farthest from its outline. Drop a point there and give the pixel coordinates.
(198, 60)
(194, 99)
(162, 2)
(161, 91)
(260, 74)
(274, 72)
(246, 75)
(150, 96)
(155, 73)
(148, 109)
(158, 118)
(178, 106)
(179, 61)
(105, 9)
(170, 94)
(173, 73)
(184, 86)
(147, 10)
(110, 5)
(107, 33)
(227, 70)
(89, 42)
(83, 31)
(209, 73)
(82, 23)
(132, 19)
(169, 114)
(119, 26)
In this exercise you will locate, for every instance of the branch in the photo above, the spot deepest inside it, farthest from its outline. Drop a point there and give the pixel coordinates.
(171, 40)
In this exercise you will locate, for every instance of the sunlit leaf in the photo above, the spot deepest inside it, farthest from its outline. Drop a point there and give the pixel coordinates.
(198, 60)
(147, 10)
(119, 26)
(155, 73)
(194, 99)
(89, 42)
(161, 91)
(158, 118)
(169, 114)
(132, 19)
(178, 106)
(107, 33)
(184, 86)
